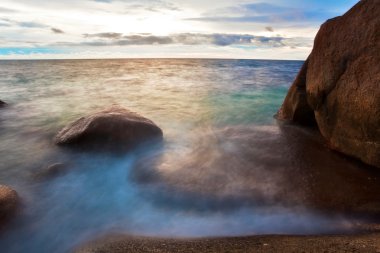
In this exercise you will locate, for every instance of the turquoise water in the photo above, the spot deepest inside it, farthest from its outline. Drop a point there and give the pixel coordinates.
(224, 168)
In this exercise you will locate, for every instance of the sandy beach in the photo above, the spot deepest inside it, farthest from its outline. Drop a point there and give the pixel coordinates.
(269, 243)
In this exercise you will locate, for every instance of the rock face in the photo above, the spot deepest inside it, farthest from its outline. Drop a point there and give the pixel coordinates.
(339, 84)
(115, 128)
(8, 203)
(296, 107)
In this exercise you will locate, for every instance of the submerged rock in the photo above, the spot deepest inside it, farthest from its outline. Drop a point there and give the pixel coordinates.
(339, 84)
(52, 171)
(114, 128)
(8, 203)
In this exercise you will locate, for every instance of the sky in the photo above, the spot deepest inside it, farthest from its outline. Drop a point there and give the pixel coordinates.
(238, 29)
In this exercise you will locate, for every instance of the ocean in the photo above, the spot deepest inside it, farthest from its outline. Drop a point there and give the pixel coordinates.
(226, 167)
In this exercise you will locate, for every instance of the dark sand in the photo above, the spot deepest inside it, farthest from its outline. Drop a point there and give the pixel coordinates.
(270, 243)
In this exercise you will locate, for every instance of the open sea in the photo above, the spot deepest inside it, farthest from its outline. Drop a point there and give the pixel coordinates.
(226, 167)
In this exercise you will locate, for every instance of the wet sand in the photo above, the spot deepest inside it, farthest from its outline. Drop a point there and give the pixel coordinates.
(270, 243)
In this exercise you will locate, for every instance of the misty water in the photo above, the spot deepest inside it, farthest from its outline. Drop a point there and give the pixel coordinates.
(226, 167)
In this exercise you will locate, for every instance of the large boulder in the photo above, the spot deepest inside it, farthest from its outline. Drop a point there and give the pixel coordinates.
(341, 79)
(114, 128)
(8, 203)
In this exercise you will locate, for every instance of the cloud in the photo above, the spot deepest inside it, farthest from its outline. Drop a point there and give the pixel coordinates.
(145, 40)
(6, 10)
(31, 25)
(24, 24)
(102, 1)
(4, 23)
(269, 29)
(147, 5)
(109, 35)
(159, 5)
(264, 13)
(120, 40)
(56, 30)
(216, 39)
(258, 8)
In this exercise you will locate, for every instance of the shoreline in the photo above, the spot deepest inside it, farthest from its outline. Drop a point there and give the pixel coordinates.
(364, 242)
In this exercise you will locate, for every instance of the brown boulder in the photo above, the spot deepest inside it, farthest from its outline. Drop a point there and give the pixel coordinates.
(113, 128)
(342, 83)
(8, 203)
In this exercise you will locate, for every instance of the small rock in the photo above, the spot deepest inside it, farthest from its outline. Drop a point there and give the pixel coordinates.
(9, 201)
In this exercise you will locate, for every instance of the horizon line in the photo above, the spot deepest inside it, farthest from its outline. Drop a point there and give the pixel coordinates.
(148, 58)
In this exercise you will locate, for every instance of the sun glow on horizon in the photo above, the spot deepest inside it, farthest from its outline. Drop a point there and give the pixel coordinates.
(121, 28)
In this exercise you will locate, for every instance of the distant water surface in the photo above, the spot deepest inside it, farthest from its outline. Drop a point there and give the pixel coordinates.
(226, 167)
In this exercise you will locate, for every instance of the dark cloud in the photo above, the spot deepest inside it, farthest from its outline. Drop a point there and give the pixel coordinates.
(31, 24)
(269, 29)
(145, 40)
(56, 30)
(104, 35)
(117, 39)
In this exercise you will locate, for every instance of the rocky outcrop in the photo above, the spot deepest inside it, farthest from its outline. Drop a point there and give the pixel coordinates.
(115, 128)
(8, 203)
(339, 84)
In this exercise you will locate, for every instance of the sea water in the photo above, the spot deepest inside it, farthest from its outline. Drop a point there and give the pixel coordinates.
(226, 168)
